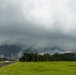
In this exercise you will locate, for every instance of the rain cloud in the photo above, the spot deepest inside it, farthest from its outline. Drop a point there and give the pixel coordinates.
(38, 23)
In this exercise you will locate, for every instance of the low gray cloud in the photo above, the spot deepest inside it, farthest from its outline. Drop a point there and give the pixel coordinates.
(38, 23)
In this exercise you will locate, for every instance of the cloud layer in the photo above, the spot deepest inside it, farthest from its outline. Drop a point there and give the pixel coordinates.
(38, 23)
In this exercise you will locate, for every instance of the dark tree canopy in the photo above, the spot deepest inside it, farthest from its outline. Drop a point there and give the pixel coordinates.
(47, 57)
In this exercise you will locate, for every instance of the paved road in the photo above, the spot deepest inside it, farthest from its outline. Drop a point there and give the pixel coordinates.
(5, 64)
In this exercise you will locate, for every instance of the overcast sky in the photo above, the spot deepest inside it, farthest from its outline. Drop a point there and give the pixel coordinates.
(38, 23)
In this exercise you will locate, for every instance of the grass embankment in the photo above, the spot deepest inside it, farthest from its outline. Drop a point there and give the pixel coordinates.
(1, 61)
(39, 68)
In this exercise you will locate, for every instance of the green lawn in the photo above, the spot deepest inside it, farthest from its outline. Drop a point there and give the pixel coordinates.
(39, 68)
(1, 61)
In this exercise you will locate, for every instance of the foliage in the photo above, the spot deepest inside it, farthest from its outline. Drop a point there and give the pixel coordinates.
(4, 59)
(48, 57)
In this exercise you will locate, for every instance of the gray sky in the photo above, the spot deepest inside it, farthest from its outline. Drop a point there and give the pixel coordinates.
(38, 23)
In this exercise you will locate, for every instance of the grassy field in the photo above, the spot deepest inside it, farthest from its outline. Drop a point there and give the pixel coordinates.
(39, 68)
(1, 61)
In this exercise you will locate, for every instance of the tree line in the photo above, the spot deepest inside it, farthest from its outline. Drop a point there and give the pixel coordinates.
(5, 59)
(29, 57)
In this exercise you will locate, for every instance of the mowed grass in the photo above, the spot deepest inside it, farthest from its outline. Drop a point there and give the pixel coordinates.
(1, 61)
(39, 68)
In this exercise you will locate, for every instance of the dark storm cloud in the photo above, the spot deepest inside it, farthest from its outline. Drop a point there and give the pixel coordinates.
(38, 23)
